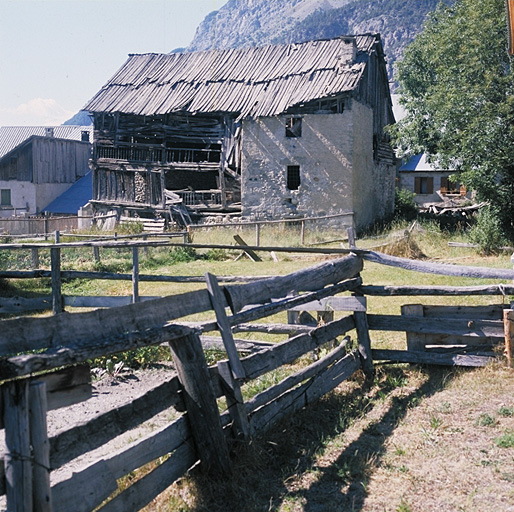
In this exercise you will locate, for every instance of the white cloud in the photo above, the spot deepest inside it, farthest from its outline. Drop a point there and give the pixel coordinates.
(36, 112)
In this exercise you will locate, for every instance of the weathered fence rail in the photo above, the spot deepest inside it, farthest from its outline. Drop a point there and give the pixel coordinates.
(33, 352)
(198, 435)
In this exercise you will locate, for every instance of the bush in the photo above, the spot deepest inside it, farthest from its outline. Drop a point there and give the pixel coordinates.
(216, 255)
(404, 204)
(487, 231)
(134, 359)
(183, 254)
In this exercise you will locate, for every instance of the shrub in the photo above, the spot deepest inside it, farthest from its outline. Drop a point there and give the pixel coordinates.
(487, 231)
(183, 254)
(216, 255)
(404, 204)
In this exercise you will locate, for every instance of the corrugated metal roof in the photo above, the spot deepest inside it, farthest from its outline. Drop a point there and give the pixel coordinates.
(13, 136)
(257, 81)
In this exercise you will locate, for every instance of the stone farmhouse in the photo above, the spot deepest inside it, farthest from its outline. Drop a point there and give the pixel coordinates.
(272, 132)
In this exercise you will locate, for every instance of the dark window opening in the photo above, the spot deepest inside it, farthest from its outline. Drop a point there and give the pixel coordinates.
(294, 127)
(84, 136)
(5, 197)
(293, 177)
(424, 185)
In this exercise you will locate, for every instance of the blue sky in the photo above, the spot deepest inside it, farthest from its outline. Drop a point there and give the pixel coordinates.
(56, 54)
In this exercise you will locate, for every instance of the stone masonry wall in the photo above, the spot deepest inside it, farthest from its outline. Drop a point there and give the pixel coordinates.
(323, 152)
(337, 171)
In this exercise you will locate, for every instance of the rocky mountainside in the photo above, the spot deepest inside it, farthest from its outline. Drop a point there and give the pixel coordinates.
(255, 22)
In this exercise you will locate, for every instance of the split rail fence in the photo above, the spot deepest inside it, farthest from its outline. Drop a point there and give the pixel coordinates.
(43, 366)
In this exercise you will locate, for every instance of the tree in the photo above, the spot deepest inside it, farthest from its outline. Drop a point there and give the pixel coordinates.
(457, 85)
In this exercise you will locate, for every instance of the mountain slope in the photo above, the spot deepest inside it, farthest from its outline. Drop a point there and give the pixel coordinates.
(255, 22)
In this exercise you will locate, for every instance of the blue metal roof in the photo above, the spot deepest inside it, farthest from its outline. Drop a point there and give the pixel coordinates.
(418, 163)
(78, 195)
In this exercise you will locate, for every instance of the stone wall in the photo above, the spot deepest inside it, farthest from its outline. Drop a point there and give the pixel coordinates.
(323, 153)
(337, 171)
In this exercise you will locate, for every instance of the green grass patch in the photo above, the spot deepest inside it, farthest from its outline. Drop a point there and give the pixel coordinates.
(506, 440)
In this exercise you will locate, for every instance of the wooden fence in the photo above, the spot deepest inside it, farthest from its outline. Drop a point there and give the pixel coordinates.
(41, 225)
(34, 351)
(57, 301)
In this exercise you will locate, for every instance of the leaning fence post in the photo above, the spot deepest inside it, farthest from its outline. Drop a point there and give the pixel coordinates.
(41, 492)
(55, 266)
(17, 458)
(232, 370)
(508, 324)
(200, 400)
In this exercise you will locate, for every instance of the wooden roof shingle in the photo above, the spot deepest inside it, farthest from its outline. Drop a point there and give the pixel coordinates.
(256, 81)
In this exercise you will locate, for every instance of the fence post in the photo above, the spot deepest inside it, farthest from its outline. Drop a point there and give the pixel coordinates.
(57, 235)
(257, 235)
(200, 400)
(135, 274)
(362, 327)
(361, 324)
(508, 324)
(35, 258)
(145, 248)
(55, 262)
(17, 459)
(351, 237)
(46, 225)
(302, 232)
(41, 492)
(96, 253)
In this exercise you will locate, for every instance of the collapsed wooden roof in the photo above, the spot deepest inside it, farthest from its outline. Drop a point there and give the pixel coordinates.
(255, 81)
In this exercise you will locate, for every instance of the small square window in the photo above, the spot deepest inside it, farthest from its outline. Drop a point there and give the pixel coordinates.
(5, 197)
(294, 127)
(293, 177)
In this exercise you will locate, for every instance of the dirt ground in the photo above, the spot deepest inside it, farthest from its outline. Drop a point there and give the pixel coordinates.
(109, 391)
(418, 440)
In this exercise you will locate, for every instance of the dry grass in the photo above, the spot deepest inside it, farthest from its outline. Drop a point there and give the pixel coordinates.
(417, 440)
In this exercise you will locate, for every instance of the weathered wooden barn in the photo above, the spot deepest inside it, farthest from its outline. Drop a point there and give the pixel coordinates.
(40, 168)
(275, 131)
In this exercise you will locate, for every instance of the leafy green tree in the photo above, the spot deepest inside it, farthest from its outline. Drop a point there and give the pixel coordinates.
(457, 86)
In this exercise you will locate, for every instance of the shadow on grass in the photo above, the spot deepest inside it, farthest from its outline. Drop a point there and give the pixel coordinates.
(266, 473)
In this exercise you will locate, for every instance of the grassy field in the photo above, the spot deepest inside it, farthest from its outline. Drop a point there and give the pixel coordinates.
(417, 439)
